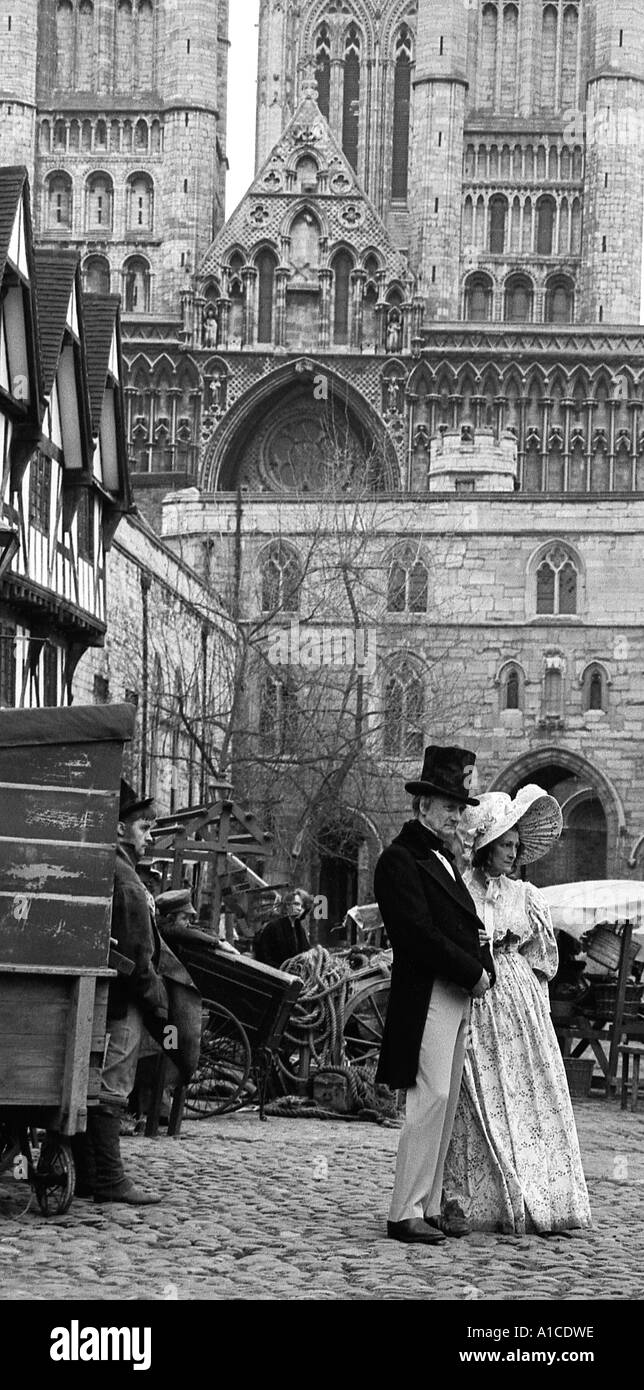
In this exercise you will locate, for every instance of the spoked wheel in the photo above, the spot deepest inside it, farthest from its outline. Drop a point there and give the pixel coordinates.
(364, 1022)
(220, 1081)
(54, 1178)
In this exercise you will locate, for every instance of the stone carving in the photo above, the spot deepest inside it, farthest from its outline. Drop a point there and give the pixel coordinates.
(353, 215)
(273, 180)
(259, 215)
(394, 331)
(341, 183)
(210, 326)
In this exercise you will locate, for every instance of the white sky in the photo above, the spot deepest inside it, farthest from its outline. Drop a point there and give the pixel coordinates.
(242, 87)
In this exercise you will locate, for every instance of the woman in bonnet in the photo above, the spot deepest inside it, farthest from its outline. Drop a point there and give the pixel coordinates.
(514, 1163)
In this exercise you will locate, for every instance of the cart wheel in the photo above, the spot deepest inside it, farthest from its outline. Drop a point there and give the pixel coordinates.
(364, 1022)
(224, 1066)
(54, 1178)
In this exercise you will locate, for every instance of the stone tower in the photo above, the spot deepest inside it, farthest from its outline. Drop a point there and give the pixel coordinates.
(18, 58)
(193, 91)
(440, 90)
(130, 146)
(611, 279)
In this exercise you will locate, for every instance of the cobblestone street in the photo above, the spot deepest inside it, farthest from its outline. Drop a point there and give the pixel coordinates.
(295, 1209)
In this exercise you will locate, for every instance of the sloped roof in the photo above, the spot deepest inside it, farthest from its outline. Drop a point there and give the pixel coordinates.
(55, 275)
(99, 316)
(12, 184)
(14, 189)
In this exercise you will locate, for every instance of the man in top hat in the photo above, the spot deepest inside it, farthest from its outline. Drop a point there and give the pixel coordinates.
(439, 965)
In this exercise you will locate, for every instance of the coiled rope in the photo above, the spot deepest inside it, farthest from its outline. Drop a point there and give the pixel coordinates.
(316, 1026)
(317, 1019)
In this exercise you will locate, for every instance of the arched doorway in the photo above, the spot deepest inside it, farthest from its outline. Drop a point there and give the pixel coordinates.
(347, 849)
(591, 815)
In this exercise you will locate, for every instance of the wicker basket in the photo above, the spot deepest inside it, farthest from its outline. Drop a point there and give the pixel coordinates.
(579, 1071)
(605, 997)
(605, 946)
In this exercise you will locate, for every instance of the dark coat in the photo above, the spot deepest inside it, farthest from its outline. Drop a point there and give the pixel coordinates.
(159, 985)
(433, 928)
(280, 939)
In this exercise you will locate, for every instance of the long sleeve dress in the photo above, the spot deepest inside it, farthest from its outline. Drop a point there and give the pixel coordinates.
(514, 1163)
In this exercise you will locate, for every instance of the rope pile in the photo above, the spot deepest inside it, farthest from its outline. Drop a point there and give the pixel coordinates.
(369, 1101)
(317, 1020)
(316, 1026)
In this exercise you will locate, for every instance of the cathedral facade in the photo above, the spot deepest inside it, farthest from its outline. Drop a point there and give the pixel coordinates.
(424, 318)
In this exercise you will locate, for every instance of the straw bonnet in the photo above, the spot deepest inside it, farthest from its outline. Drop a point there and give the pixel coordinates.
(532, 812)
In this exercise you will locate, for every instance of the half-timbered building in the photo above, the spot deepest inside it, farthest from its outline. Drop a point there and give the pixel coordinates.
(65, 482)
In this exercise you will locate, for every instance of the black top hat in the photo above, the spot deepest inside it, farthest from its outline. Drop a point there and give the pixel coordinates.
(446, 771)
(130, 804)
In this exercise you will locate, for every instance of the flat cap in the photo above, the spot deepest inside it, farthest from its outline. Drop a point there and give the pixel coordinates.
(175, 900)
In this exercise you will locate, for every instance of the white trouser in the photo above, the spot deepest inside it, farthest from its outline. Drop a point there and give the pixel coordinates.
(431, 1105)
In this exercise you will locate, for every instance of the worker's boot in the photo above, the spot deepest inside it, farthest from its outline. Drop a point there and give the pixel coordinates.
(112, 1184)
(84, 1163)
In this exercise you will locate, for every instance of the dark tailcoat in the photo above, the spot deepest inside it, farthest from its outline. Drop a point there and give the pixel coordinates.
(433, 927)
(159, 985)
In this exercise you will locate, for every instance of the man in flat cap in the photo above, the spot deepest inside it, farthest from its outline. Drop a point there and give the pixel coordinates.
(138, 997)
(439, 965)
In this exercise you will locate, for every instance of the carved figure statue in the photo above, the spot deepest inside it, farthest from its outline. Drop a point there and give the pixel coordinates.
(393, 333)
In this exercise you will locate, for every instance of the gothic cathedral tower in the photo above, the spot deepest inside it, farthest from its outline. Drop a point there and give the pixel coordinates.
(130, 146)
(18, 58)
(440, 90)
(612, 285)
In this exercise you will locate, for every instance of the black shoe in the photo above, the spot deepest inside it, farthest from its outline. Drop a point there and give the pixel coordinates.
(452, 1221)
(413, 1231)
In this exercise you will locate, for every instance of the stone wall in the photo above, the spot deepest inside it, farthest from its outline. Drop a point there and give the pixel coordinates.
(482, 558)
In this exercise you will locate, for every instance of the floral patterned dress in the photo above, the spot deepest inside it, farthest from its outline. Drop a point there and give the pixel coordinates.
(514, 1163)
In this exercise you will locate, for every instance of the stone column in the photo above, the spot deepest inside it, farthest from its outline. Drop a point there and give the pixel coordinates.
(358, 278)
(281, 279)
(545, 418)
(249, 277)
(635, 407)
(325, 276)
(523, 403)
(612, 408)
(590, 407)
(478, 404)
(567, 406)
(223, 309)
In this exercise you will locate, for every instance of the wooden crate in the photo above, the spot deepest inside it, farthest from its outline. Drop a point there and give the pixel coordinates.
(52, 1038)
(59, 796)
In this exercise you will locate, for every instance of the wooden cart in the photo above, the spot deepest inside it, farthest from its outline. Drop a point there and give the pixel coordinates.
(60, 776)
(247, 1006)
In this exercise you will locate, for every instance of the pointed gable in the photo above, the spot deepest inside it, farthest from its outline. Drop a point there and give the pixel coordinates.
(105, 378)
(20, 383)
(307, 167)
(63, 353)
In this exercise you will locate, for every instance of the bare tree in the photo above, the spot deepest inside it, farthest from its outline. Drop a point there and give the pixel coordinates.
(301, 701)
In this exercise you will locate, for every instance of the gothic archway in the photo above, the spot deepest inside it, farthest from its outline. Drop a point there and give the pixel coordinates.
(347, 846)
(301, 429)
